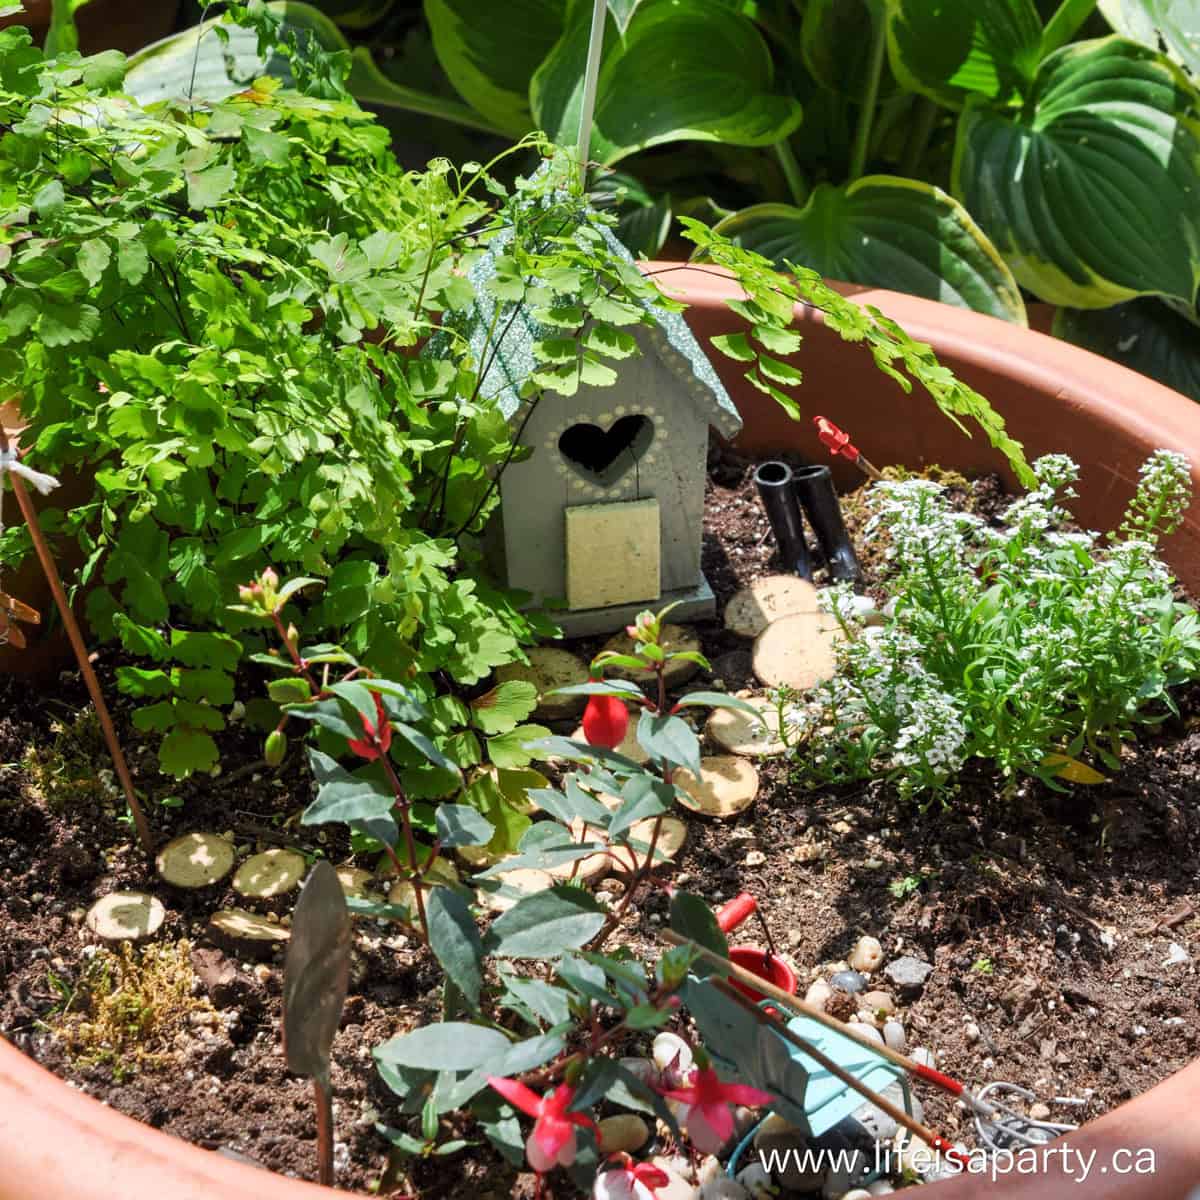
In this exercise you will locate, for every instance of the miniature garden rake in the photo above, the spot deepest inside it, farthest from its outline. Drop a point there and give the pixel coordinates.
(998, 1124)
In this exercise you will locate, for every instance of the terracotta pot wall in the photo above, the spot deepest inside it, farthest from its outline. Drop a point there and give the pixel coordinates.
(57, 1144)
(1053, 396)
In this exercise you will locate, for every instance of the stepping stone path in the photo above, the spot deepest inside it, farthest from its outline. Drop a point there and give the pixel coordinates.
(246, 934)
(126, 916)
(738, 732)
(752, 609)
(272, 873)
(727, 786)
(797, 651)
(195, 860)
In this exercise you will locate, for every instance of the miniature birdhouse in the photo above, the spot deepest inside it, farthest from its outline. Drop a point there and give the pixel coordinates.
(606, 513)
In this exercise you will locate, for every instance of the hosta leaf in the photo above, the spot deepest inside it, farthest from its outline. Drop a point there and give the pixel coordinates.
(1176, 23)
(490, 52)
(1090, 191)
(889, 232)
(950, 50)
(685, 70)
(1145, 335)
(835, 40)
(643, 220)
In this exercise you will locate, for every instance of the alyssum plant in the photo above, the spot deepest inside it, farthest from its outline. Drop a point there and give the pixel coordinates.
(1023, 644)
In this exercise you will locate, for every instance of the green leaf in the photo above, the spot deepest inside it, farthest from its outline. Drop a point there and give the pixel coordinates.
(145, 684)
(685, 70)
(886, 232)
(345, 797)
(546, 925)
(462, 825)
(206, 649)
(835, 40)
(184, 751)
(208, 187)
(716, 700)
(950, 51)
(94, 256)
(737, 345)
(508, 749)
(669, 739)
(1145, 335)
(642, 796)
(49, 198)
(452, 1046)
(504, 707)
(454, 940)
(1174, 23)
(1090, 191)
(692, 918)
(490, 52)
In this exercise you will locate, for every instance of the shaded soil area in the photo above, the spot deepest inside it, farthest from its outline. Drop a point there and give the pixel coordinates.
(1049, 919)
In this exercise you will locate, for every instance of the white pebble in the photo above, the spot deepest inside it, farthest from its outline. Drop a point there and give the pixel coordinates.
(880, 1187)
(866, 955)
(1039, 1112)
(867, 1033)
(756, 1179)
(893, 1036)
(971, 1031)
(818, 994)
(671, 1048)
(923, 1056)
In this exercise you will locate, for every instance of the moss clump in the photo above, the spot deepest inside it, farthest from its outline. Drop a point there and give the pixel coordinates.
(72, 767)
(129, 1005)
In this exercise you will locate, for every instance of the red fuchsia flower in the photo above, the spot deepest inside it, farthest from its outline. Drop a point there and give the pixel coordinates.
(552, 1142)
(705, 1110)
(605, 721)
(379, 734)
(629, 1181)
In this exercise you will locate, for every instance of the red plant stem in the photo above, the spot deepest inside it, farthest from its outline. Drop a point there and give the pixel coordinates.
(409, 842)
(50, 570)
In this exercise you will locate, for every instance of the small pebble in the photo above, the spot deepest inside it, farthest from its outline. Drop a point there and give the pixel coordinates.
(866, 955)
(1176, 956)
(756, 1179)
(867, 1033)
(880, 1187)
(893, 1036)
(671, 1048)
(1039, 1112)
(971, 1031)
(818, 994)
(879, 1002)
(851, 982)
(625, 1132)
(924, 1056)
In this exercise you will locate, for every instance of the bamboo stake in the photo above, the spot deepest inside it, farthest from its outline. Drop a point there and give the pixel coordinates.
(915, 1127)
(50, 570)
(591, 74)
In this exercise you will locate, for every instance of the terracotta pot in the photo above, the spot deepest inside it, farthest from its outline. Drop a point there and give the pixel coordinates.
(60, 1145)
(1053, 396)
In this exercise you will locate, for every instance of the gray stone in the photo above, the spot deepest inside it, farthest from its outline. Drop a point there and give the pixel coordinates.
(908, 974)
(849, 981)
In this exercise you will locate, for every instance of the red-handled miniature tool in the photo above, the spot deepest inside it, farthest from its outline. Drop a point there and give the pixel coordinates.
(839, 444)
(766, 964)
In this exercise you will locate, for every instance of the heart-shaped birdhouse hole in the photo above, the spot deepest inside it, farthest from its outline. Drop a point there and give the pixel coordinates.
(604, 456)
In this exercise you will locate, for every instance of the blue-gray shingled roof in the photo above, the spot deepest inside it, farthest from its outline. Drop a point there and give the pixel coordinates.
(512, 365)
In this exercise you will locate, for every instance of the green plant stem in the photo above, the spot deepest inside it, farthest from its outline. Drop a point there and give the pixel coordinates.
(866, 115)
(918, 139)
(1065, 24)
(797, 184)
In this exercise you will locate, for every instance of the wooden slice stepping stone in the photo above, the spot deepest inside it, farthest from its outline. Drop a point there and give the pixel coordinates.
(675, 639)
(195, 860)
(441, 873)
(726, 787)
(505, 889)
(246, 934)
(797, 651)
(584, 870)
(356, 882)
(630, 746)
(752, 609)
(549, 668)
(272, 873)
(126, 916)
(671, 836)
(737, 732)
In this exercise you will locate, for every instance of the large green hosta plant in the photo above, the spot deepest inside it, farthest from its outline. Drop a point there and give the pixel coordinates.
(958, 151)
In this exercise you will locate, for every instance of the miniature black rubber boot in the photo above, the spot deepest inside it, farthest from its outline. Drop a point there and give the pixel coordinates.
(814, 487)
(776, 489)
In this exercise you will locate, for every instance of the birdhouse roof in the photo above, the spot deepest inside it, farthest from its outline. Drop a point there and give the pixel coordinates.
(512, 363)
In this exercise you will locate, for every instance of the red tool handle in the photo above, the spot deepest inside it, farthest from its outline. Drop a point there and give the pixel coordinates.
(733, 912)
